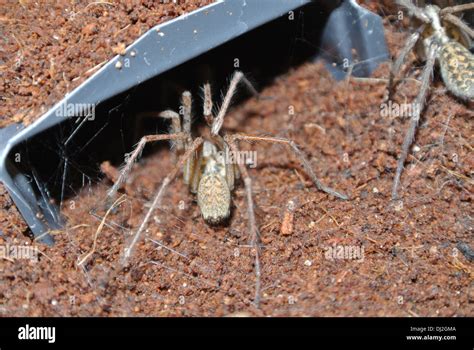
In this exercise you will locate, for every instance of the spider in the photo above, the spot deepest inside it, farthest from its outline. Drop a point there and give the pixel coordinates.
(455, 61)
(207, 166)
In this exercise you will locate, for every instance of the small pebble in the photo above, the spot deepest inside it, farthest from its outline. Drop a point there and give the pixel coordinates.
(398, 206)
(120, 49)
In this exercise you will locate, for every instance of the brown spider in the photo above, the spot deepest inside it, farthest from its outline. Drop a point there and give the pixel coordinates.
(206, 167)
(456, 62)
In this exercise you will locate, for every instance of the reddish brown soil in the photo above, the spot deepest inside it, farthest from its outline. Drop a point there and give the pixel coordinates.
(47, 48)
(410, 266)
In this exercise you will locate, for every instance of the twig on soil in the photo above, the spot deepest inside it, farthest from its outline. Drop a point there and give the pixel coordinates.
(371, 239)
(321, 219)
(93, 69)
(57, 232)
(20, 44)
(119, 201)
(74, 14)
(271, 223)
(411, 249)
(7, 258)
(457, 264)
(458, 175)
(301, 178)
(121, 30)
(111, 224)
(331, 216)
(413, 313)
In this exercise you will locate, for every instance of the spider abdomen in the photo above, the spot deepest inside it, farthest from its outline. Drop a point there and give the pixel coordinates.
(457, 69)
(214, 198)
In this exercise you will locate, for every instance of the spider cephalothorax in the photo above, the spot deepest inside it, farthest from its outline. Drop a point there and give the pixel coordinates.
(455, 61)
(208, 169)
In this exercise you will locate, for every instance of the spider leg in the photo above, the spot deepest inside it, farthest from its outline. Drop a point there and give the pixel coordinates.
(186, 105)
(219, 120)
(175, 125)
(456, 8)
(254, 234)
(407, 48)
(207, 107)
(159, 195)
(186, 102)
(193, 175)
(231, 141)
(168, 114)
(460, 23)
(419, 104)
(230, 169)
(299, 154)
(132, 157)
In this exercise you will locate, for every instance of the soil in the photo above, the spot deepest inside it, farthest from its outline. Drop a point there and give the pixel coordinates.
(409, 264)
(49, 48)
